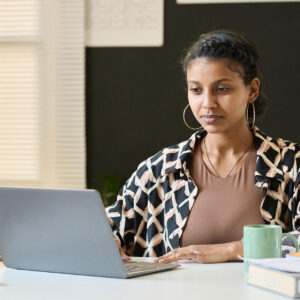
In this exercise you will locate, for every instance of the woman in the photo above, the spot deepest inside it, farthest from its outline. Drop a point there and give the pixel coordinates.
(191, 200)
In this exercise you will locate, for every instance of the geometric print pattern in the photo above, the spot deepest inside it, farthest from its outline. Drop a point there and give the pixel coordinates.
(288, 245)
(153, 206)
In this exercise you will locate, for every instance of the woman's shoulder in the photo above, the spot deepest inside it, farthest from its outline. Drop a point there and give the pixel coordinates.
(279, 143)
(290, 153)
(278, 150)
(288, 146)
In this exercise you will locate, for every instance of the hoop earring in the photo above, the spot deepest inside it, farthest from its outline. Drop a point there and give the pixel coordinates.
(253, 117)
(186, 124)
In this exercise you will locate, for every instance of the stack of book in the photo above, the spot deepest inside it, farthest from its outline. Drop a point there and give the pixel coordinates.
(280, 275)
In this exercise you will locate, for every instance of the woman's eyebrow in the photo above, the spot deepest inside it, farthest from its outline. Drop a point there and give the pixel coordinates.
(193, 81)
(217, 81)
(223, 79)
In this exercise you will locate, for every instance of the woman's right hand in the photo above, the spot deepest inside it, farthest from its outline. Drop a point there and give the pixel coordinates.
(124, 256)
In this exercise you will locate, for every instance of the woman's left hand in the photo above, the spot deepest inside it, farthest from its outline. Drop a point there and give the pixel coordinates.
(213, 253)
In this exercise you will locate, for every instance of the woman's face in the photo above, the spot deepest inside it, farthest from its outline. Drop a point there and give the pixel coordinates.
(218, 95)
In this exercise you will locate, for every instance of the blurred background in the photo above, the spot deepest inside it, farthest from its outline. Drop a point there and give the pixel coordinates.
(79, 115)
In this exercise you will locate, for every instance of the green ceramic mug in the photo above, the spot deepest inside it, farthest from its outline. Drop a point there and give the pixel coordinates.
(264, 241)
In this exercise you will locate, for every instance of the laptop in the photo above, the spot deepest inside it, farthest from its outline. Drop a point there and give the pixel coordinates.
(62, 231)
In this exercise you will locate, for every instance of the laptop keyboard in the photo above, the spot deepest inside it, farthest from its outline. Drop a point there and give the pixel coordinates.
(135, 267)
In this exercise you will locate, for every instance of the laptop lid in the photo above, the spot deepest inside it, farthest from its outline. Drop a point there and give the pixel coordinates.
(57, 230)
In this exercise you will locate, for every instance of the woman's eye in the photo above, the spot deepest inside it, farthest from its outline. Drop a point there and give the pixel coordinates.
(223, 89)
(195, 90)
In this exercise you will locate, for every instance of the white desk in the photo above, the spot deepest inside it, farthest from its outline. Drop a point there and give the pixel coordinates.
(191, 281)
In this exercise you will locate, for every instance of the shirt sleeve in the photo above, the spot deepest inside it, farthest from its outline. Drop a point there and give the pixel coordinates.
(128, 214)
(121, 215)
(288, 245)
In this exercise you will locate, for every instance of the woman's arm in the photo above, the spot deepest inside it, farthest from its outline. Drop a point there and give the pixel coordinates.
(214, 253)
(127, 215)
(288, 245)
(121, 216)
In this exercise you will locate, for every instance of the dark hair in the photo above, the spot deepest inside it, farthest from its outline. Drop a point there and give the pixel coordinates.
(238, 49)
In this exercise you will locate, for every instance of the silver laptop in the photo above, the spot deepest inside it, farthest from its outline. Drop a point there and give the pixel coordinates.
(62, 231)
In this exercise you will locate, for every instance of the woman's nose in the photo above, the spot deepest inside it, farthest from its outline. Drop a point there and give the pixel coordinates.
(209, 100)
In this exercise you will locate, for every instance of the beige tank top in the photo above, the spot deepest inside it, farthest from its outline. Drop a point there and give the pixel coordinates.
(222, 205)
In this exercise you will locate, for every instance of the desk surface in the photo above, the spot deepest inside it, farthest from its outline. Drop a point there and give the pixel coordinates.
(190, 281)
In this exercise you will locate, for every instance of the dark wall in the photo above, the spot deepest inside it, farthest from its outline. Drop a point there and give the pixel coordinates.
(135, 96)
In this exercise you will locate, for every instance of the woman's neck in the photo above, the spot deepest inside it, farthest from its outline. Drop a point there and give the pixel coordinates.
(229, 143)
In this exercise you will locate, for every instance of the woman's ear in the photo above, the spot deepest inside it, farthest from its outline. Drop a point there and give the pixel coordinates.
(254, 89)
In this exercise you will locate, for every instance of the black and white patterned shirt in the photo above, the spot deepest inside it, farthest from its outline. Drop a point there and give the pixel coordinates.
(154, 204)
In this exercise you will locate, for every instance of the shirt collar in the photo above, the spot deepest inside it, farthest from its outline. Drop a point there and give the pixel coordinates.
(268, 163)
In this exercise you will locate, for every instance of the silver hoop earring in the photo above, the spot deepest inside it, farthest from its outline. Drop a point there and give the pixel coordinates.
(253, 116)
(186, 124)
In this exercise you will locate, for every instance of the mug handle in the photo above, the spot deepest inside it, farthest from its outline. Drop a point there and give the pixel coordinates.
(293, 238)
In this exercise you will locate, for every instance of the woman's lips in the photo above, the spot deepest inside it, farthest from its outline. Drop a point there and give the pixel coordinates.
(209, 119)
